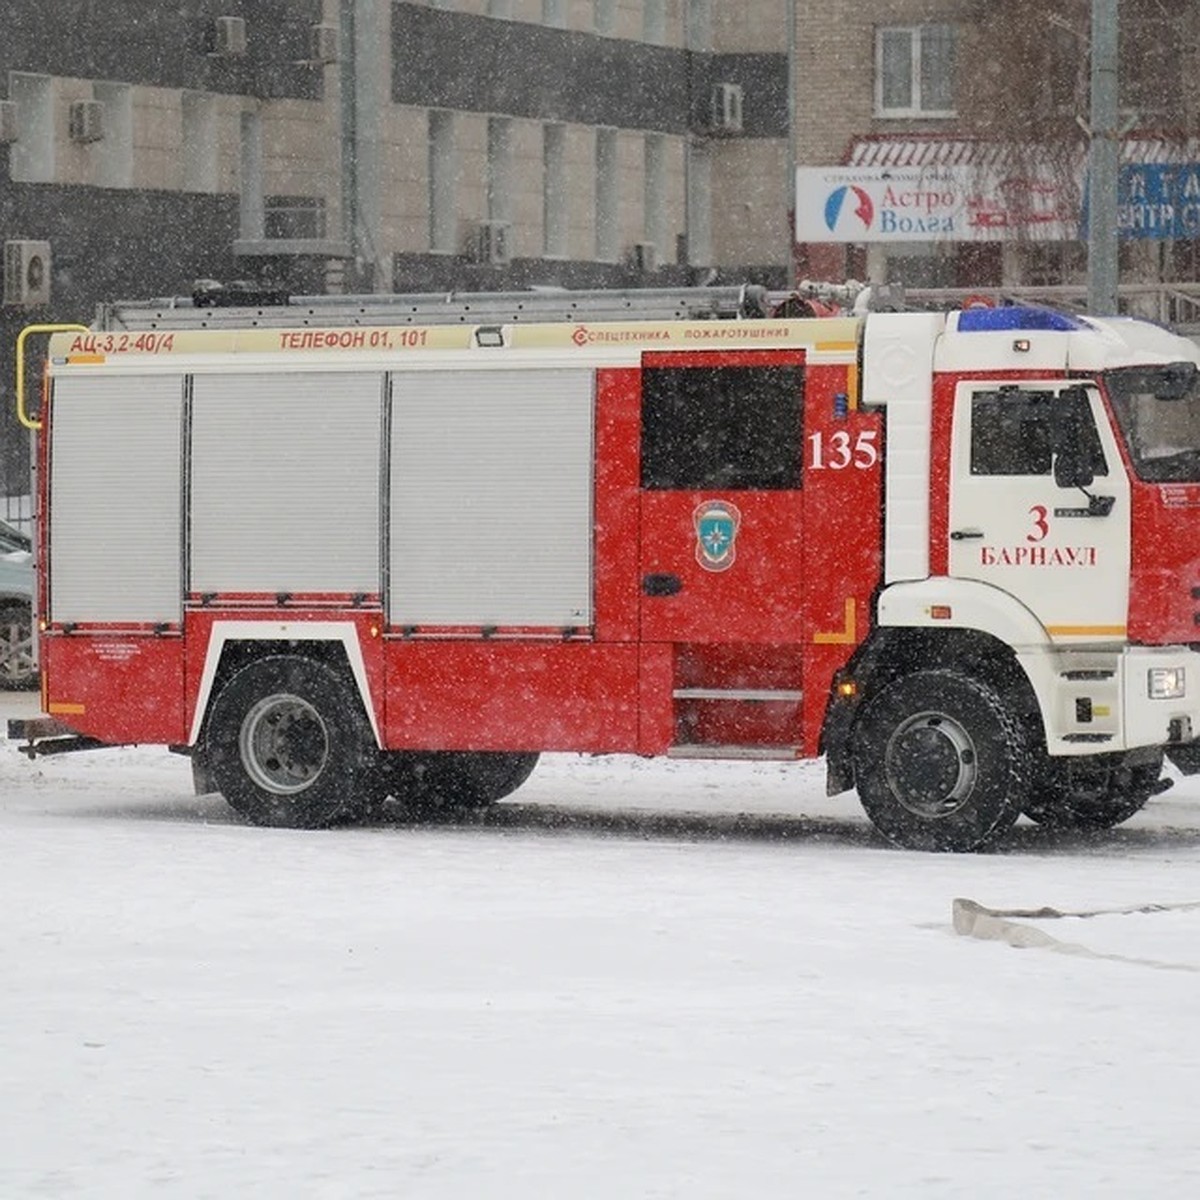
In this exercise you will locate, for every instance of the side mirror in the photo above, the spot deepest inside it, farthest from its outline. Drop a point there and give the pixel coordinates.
(1175, 382)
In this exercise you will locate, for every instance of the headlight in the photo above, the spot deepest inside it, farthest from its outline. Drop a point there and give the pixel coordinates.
(1165, 683)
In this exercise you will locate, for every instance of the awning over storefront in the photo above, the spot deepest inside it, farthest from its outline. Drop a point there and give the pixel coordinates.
(938, 150)
(919, 151)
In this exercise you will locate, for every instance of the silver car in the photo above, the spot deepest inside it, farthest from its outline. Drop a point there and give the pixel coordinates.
(18, 655)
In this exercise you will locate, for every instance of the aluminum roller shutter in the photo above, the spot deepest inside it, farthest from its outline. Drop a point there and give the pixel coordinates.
(490, 516)
(115, 468)
(285, 475)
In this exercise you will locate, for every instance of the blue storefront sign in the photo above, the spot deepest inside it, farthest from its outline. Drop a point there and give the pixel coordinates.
(1159, 201)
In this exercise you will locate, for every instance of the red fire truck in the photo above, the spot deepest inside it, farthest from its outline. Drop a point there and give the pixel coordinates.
(339, 550)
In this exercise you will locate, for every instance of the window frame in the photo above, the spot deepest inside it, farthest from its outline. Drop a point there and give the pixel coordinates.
(1030, 415)
(917, 35)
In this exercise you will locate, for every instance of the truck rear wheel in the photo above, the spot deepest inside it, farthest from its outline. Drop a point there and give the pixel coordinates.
(1093, 793)
(941, 762)
(288, 744)
(454, 781)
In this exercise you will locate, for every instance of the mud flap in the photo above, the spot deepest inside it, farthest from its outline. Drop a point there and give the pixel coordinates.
(1185, 758)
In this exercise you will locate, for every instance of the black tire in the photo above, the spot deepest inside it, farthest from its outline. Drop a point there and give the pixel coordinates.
(18, 668)
(288, 744)
(401, 775)
(453, 781)
(1097, 792)
(941, 762)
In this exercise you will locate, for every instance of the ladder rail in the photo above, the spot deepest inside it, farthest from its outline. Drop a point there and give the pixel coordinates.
(219, 308)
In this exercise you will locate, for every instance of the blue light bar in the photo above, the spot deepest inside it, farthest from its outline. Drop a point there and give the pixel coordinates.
(1003, 320)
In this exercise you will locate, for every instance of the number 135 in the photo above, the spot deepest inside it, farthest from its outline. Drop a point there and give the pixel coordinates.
(840, 451)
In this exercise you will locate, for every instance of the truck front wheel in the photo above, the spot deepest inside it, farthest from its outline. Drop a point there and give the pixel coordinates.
(1094, 793)
(288, 744)
(941, 762)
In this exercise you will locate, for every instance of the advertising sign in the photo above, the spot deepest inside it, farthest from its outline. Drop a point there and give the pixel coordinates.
(923, 204)
(1159, 201)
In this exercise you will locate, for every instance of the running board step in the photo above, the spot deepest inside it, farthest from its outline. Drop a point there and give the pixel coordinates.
(766, 753)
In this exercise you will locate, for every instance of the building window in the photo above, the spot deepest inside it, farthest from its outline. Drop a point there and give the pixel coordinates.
(655, 198)
(294, 218)
(499, 169)
(605, 18)
(31, 159)
(251, 166)
(554, 191)
(607, 225)
(443, 223)
(114, 161)
(914, 71)
(699, 205)
(698, 29)
(199, 115)
(1052, 264)
(936, 269)
(654, 29)
(1154, 73)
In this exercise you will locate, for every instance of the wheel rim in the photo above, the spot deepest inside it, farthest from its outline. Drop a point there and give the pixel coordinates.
(931, 765)
(284, 744)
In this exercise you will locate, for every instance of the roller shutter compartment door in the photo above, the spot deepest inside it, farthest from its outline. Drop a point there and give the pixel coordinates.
(115, 518)
(490, 514)
(285, 474)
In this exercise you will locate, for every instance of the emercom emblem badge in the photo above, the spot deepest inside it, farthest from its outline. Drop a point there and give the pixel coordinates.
(716, 523)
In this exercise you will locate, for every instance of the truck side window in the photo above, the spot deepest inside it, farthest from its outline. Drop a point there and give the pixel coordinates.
(1012, 433)
(728, 428)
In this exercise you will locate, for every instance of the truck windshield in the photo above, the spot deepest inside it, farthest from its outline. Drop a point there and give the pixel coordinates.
(1158, 410)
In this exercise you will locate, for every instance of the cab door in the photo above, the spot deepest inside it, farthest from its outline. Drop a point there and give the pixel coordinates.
(1061, 551)
(721, 506)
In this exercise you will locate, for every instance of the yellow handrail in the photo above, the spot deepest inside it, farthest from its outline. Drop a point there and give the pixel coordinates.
(22, 414)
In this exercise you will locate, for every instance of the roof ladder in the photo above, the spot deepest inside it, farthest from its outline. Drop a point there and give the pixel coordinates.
(216, 307)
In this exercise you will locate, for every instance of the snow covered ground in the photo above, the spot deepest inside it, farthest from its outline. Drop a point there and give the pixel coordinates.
(636, 979)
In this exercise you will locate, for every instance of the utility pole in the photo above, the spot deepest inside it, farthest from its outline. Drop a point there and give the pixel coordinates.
(791, 140)
(1103, 162)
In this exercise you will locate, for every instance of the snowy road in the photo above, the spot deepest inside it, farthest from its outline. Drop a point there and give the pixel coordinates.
(640, 979)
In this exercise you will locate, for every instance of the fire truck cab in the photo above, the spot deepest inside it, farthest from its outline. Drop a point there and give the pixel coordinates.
(401, 551)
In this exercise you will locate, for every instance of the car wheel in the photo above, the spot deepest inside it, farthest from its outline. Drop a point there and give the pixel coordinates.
(288, 744)
(18, 666)
(942, 763)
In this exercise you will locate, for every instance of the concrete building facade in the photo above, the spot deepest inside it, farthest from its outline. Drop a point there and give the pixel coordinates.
(378, 145)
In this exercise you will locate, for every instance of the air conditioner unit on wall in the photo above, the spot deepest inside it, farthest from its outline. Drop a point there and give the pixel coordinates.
(26, 273)
(644, 257)
(322, 44)
(86, 122)
(493, 243)
(229, 37)
(726, 114)
(8, 122)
